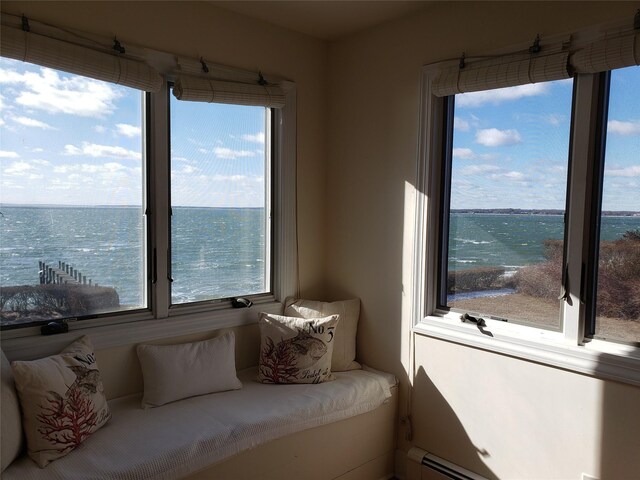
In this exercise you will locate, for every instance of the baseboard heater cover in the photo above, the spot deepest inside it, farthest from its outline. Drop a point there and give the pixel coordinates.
(423, 465)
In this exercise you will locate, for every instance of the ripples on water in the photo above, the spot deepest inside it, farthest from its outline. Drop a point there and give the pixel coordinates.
(216, 252)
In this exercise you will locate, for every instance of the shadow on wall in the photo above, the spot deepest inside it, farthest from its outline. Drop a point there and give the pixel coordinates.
(444, 433)
(620, 430)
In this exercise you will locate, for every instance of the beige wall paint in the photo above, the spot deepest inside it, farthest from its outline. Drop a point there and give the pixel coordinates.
(372, 134)
(198, 29)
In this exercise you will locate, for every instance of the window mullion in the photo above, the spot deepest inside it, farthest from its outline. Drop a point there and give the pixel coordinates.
(159, 200)
(578, 224)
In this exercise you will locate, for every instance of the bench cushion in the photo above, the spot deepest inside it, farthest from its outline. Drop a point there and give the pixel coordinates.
(184, 437)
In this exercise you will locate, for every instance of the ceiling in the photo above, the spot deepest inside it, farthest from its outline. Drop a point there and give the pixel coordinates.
(326, 20)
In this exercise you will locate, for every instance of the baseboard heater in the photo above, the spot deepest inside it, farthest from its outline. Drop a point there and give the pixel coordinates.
(422, 465)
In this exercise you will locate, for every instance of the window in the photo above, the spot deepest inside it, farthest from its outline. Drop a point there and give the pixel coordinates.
(121, 202)
(73, 224)
(528, 231)
(220, 205)
(506, 199)
(617, 297)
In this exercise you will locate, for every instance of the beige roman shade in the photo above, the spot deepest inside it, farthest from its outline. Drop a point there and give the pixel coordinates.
(61, 55)
(503, 71)
(612, 52)
(553, 62)
(198, 89)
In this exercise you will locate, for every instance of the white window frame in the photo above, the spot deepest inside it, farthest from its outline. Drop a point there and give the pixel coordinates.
(159, 320)
(565, 349)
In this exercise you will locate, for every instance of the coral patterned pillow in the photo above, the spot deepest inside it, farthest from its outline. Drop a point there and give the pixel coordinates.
(62, 401)
(296, 350)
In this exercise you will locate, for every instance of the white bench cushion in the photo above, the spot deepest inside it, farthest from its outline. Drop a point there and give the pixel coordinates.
(184, 437)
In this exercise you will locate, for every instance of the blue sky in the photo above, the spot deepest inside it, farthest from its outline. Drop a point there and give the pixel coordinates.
(75, 141)
(511, 146)
(71, 140)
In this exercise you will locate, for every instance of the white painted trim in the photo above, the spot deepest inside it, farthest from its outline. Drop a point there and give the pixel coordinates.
(598, 359)
(285, 203)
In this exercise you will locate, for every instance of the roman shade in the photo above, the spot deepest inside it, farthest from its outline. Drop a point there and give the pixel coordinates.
(197, 89)
(69, 57)
(551, 62)
(503, 71)
(616, 51)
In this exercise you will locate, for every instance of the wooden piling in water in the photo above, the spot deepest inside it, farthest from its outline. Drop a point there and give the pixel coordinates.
(64, 274)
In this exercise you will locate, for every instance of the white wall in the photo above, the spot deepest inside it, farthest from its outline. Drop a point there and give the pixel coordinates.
(522, 416)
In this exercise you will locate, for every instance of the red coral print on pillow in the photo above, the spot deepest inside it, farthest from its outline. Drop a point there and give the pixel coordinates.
(67, 421)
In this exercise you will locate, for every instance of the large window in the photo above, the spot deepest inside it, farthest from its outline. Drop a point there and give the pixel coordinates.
(539, 221)
(72, 223)
(119, 202)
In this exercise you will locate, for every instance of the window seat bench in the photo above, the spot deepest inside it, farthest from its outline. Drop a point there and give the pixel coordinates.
(338, 429)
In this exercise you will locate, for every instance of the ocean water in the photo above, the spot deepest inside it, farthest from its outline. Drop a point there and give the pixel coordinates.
(512, 241)
(216, 252)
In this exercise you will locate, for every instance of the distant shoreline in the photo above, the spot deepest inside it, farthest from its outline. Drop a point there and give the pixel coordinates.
(15, 205)
(474, 211)
(520, 211)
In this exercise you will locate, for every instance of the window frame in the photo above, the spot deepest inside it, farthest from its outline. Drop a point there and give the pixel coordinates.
(176, 309)
(570, 348)
(107, 330)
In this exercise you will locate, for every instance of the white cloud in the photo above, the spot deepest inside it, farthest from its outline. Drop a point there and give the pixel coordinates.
(632, 171)
(257, 138)
(109, 167)
(44, 163)
(623, 128)
(188, 169)
(128, 130)
(492, 137)
(476, 169)
(519, 176)
(495, 97)
(32, 122)
(49, 91)
(553, 119)
(463, 153)
(227, 153)
(95, 150)
(7, 154)
(18, 169)
(461, 124)
(99, 129)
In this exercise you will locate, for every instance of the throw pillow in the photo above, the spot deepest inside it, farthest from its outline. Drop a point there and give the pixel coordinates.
(62, 400)
(344, 350)
(296, 350)
(174, 372)
(12, 437)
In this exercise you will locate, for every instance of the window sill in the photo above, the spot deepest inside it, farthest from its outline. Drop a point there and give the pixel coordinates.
(29, 344)
(598, 359)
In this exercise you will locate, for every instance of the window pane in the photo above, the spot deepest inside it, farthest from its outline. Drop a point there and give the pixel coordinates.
(618, 287)
(508, 190)
(71, 191)
(219, 199)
